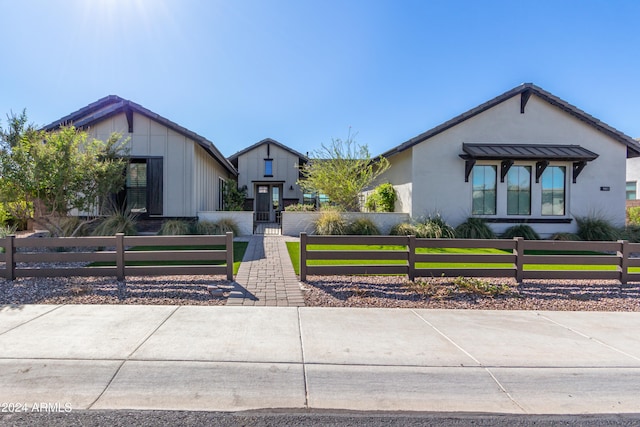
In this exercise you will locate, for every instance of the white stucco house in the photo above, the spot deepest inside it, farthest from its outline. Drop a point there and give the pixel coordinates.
(173, 172)
(633, 179)
(525, 156)
(269, 171)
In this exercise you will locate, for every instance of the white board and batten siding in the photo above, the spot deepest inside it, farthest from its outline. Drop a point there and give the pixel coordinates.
(190, 175)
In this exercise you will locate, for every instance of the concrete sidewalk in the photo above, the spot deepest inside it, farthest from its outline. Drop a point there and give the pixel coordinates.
(239, 358)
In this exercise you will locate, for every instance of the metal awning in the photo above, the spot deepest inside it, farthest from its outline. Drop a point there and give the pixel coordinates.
(542, 154)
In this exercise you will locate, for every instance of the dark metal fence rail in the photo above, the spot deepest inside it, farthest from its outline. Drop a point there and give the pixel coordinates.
(617, 255)
(92, 250)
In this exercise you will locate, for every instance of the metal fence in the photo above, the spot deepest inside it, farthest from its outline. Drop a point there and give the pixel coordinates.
(509, 261)
(119, 260)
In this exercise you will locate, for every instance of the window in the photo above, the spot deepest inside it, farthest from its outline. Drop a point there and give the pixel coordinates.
(220, 194)
(268, 167)
(519, 190)
(275, 198)
(553, 184)
(631, 190)
(137, 187)
(484, 190)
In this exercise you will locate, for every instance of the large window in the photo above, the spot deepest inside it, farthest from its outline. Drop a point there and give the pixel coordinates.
(137, 187)
(484, 190)
(553, 190)
(631, 190)
(519, 190)
(143, 192)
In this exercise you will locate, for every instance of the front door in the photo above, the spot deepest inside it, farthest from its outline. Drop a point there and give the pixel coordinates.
(263, 204)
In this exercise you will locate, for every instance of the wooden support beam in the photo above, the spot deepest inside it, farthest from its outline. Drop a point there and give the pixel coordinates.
(468, 167)
(540, 167)
(524, 98)
(505, 165)
(577, 168)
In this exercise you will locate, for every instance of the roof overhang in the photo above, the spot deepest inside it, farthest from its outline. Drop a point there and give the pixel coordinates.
(542, 154)
(113, 105)
(525, 91)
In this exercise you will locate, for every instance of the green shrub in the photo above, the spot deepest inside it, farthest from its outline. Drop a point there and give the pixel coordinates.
(521, 230)
(403, 229)
(481, 287)
(631, 233)
(633, 215)
(207, 228)
(331, 222)
(363, 226)
(175, 227)
(474, 228)
(382, 199)
(227, 224)
(566, 237)
(434, 227)
(6, 230)
(299, 207)
(117, 222)
(70, 226)
(596, 229)
(5, 216)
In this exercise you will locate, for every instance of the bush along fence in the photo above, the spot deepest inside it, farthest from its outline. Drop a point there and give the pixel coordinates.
(133, 256)
(517, 258)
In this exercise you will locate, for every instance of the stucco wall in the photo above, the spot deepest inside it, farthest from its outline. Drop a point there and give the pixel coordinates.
(294, 223)
(400, 175)
(285, 168)
(438, 171)
(243, 219)
(633, 173)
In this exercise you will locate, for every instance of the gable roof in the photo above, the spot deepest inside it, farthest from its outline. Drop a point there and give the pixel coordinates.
(113, 105)
(235, 156)
(525, 90)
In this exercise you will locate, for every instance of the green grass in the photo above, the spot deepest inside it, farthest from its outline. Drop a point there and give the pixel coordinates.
(239, 249)
(294, 252)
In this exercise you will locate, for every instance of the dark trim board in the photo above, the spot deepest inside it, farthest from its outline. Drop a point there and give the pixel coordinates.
(529, 220)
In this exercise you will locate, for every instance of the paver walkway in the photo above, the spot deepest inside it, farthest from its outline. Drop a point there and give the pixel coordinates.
(266, 275)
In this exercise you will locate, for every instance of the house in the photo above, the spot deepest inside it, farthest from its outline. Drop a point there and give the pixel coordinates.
(269, 171)
(173, 172)
(633, 178)
(525, 156)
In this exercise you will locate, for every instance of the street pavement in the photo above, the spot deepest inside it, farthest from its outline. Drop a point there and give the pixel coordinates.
(193, 358)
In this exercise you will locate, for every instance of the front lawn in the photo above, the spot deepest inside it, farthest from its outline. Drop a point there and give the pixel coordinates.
(294, 252)
(239, 249)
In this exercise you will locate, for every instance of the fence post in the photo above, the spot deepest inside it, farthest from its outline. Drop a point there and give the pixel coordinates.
(412, 257)
(519, 253)
(120, 257)
(303, 256)
(624, 254)
(229, 246)
(10, 251)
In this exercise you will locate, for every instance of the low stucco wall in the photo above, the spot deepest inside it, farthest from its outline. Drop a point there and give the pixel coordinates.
(242, 218)
(294, 223)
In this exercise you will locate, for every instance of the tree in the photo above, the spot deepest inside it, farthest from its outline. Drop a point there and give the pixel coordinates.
(17, 208)
(342, 171)
(233, 197)
(62, 171)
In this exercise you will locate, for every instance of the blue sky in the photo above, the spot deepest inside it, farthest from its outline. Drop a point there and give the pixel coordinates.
(304, 72)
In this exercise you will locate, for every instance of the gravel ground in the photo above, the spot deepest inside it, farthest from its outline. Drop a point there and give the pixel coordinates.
(387, 291)
(167, 290)
(330, 291)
